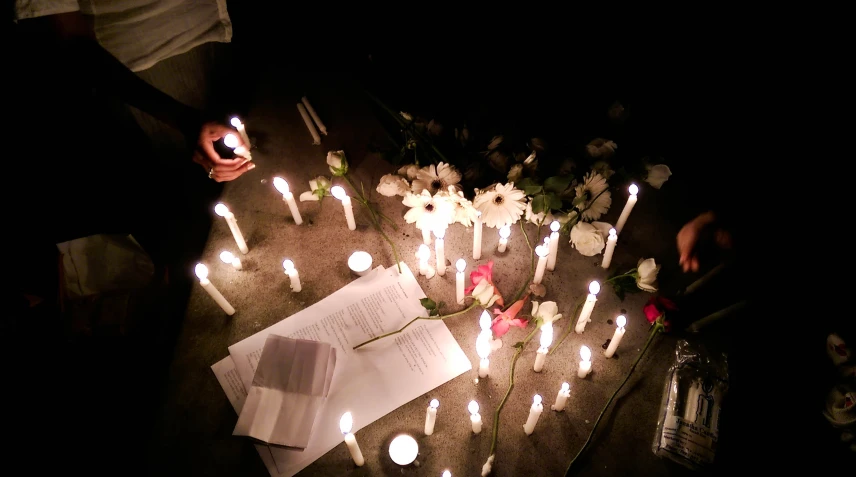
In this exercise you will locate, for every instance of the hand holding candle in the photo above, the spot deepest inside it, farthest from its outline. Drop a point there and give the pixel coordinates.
(534, 413)
(202, 273)
(477, 236)
(542, 251)
(314, 115)
(346, 423)
(242, 130)
(585, 314)
(625, 213)
(431, 416)
(504, 233)
(223, 211)
(610, 248)
(288, 197)
(288, 265)
(554, 245)
(616, 338)
(339, 193)
(231, 141)
(585, 363)
(475, 417)
(227, 257)
(440, 250)
(546, 341)
(316, 139)
(562, 397)
(460, 265)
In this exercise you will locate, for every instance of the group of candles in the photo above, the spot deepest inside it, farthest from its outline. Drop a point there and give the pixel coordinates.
(612, 239)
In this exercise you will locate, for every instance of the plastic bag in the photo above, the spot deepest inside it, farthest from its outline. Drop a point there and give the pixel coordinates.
(688, 427)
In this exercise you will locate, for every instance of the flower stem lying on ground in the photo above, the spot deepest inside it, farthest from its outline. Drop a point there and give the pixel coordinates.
(630, 273)
(375, 217)
(441, 317)
(531, 268)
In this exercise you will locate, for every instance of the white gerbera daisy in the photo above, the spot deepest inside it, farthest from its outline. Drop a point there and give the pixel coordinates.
(428, 212)
(435, 178)
(464, 212)
(593, 198)
(501, 205)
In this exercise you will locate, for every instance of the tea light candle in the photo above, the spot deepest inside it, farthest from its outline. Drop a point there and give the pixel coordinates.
(423, 254)
(223, 211)
(311, 110)
(242, 130)
(339, 193)
(282, 186)
(477, 236)
(483, 350)
(588, 306)
(446, 473)
(230, 140)
(346, 423)
(431, 416)
(316, 139)
(461, 264)
(542, 251)
(202, 273)
(403, 449)
(616, 337)
(288, 265)
(440, 250)
(475, 417)
(562, 397)
(534, 413)
(504, 233)
(360, 263)
(554, 245)
(631, 201)
(585, 364)
(227, 257)
(546, 341)
(610, 248)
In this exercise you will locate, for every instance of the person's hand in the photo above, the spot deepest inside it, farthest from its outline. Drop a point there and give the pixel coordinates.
(692, 233)
(219, 169)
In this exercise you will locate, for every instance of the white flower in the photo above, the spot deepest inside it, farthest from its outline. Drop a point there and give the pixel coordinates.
(586, 239)
(435, 178)
(487, 468)
(409, 171)
(647, 271)
(319, 187)
(547, 311)
(602, 229)
(539, 218)
(593, 196)
(337, 162)
(601, 148)
(426, 211)
(392, 185)
(464, 212)
(484, 294)
(406, 116)
(602, 168)
(501, 205)
(515, 173)
(657, 175)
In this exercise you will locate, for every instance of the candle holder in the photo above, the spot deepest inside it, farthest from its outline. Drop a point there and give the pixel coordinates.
(360, 263)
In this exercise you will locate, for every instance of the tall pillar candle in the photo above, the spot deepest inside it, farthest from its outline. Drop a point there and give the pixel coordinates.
(431, 416)
(542, 251)
(346, 423)
(316, 139)
(477, 236)
(288, 265)
(585, 362)
(610, 248)
(554, 245)
(546, 341)
(202, 273)
(339, 193)
(504, 233)
(223, 211)
(625, 213)
(314, 115)
(242, 130)
(227, 257)
(562, 397)
(440, 250)
(282, 186)
(534, 413)
(616, 337)
(588, 306)
(475, 417)
(460, 265)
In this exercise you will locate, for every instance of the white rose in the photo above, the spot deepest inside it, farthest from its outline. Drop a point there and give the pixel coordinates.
(586, 239)
(409, 171)
(515, 172)
(602, 228)
(392, 185)
(337, 162)
(483, 293)
(657, 175)
(548, 311)
(406, 116)
(647, 278)
(318, 187)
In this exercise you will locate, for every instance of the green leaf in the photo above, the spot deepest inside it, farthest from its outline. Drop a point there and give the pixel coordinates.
(539, 204)
(529, 186)
(518, 345)
(554, 202)
(557, 184)
(428, 304)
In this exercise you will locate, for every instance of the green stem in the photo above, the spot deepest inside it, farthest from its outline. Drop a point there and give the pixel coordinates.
(570, 326)
(531, 269)
(508, 392)
(377, 225)
(656, 329)
(628, 274)
(441, 317)
(401, 122)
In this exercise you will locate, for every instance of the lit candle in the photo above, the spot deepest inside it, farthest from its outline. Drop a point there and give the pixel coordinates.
(631, 201)
(230, 140)
(446, 473)
(542, 251)
(610, 248)
(316, 139)
(554, 245)
(202, 273)
(562, 397)
(461, 264)
(345, 425)
(227, 257)
(431, 416)
(288, 265)
(339, 193)
(403, 449)
(616, 337)
(360, 263)
(585, 363)
(485, 322)
(423, 254)
(475, 417)
(242, 130)
(223, 211)
(483, 350)
(546, 341)
(585, 314)
(426, 236)
(311, 110)
(288, 197)
(440, 250)
(504, 233)
(534, 414)
(477, 236)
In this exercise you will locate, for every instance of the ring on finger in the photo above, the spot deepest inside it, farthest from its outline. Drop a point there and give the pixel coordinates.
(211, 173)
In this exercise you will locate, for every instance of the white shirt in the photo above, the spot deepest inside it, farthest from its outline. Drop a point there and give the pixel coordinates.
(142, 32)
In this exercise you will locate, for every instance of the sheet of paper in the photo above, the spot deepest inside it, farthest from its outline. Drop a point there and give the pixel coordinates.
(372, 381)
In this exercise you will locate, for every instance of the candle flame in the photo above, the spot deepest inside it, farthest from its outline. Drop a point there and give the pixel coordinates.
(280, 185)
(612, 233)
(221, 210)
(482, 347)
(542, 251)
(235, 122)
(536, 399)
(226, 256)
(288, 265)
(621, 321)
(434, 403)
(338, 192)
(566, 387)
(440, 232)
(446, 473)
(346, 423)
(555, 225)
(231, 141)
(634, 189)
(201, 271)
(505, 231)
(594, 287)
(424, 253)
(485, 321)
(461, 264)
(585, 353)
(473, 407)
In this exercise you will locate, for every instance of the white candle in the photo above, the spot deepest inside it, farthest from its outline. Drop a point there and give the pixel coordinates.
(616, 337)
(426, 236)
(242, 130)
(631, 201)
(585, 363)
(477, 236)
(483, 350)
(485, 322)
(346, 423)
(542, 251)
(227, 257)
(504, 233)
(202, 273)
(403, 449)
(282, 186)
(311, 110)
(316, 139)
(475, 417)
(554, 245)
(339, 193)
(223, 211)
(360, 263)
(423, 254)
(610, 248)
(588, 306)
(230, 140)
(691, 406)
(431, 416)
(461, 264)
(534, 414)
(446, 473)
(440, 250)
(546, 341)
(562, 397)
(288, 265)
